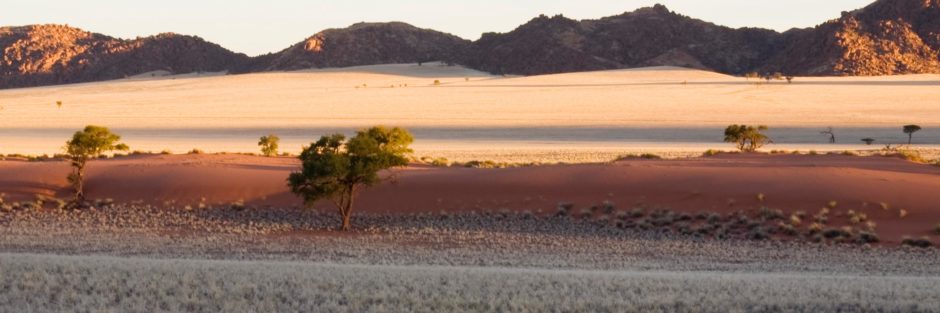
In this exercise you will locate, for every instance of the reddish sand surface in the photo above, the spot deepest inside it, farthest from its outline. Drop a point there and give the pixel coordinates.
(723, 183)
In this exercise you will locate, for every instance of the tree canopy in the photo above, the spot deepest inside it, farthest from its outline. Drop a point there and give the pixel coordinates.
(269, 145)
(910, 130)
(86, 144)
(335, 168)
(747, 138)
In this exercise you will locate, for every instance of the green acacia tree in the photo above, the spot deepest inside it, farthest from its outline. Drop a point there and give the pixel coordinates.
(87, 144)
(269, 145)
(336, 169)
(747, 138)
(910, 130)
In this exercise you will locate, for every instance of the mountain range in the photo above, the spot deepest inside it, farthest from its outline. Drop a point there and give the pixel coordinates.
(885, 38)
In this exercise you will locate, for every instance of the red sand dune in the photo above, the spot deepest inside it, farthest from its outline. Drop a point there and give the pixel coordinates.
(790, 183)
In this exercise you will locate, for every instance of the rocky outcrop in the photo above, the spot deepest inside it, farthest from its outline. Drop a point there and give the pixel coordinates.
(365, 44)
(887, 37)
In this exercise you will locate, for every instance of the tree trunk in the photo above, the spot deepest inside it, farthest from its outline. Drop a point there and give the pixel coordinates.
(347, 209)
(346, 225)
(79, 183)
(910, 138)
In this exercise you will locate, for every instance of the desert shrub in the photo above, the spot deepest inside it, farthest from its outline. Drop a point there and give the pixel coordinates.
(586, 212)
(269, 145)
(608, 207)
(868, 141)
(166, 151)
(787, 229)
(564, 209)
(758, 233)
(683, 217)
(637, 212)
(195, 151)
(711, 152)
(923, 242)
(714, 218)
(832, 233)
(437, 82)
(747, 138)
(439, 162)
(815, 228)
(647, 156)
(237, 205)
(484, 164)
(795, 220)
(335, 168)
(868, 237)
(770, 214)
(87, 144)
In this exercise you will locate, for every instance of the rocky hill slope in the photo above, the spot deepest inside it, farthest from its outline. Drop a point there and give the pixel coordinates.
(646, 37)
(365, 44)
(55, 54)
(887, 37)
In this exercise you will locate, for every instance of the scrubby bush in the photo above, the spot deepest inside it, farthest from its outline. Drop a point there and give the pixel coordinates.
(923, 242)
(269, 145)
(91, 142)
(868, 237)
(564, 209)
(868, 141)
(335, 168)
(747, 138)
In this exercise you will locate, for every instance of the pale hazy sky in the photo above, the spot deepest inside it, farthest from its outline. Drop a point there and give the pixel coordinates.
(256, 27)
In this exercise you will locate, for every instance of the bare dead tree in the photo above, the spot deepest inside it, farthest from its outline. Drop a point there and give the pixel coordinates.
(831, 133)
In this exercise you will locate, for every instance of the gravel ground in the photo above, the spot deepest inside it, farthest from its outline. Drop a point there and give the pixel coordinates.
(287, 260)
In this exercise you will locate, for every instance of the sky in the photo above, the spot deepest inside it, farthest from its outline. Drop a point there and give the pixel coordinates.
(256, 27)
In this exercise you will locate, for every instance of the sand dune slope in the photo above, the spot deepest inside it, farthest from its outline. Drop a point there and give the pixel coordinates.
(723, 183)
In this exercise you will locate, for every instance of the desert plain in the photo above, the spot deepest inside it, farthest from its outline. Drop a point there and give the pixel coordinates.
(569, 222)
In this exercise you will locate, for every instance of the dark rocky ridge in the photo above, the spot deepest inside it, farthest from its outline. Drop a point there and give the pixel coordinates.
(885, 38)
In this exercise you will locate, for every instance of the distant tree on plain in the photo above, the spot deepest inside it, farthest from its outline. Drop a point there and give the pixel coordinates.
(910, 130)
(831, 133)
(336, 169)
(90, 143)
(868, 141)
(269, 145)
(747, 138)
(789, 79)
(750, 75)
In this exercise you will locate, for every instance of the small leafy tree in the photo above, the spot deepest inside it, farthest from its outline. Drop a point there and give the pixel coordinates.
(868, 141)
(336, 169)
(87, 144)
(269, 145)
(747, 138)
(910, 130)
(789, 79)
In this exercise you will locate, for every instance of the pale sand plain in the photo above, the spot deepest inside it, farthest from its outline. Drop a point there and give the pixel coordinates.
(578, 117)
